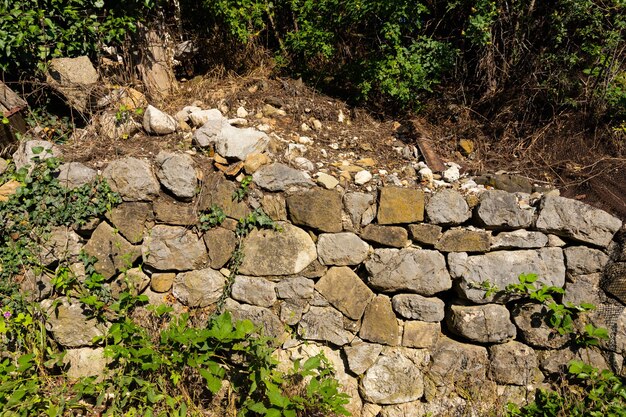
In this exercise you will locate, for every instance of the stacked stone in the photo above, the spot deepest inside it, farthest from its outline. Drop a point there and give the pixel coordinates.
(387, 285)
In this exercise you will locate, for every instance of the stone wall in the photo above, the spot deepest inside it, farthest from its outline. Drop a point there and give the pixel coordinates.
(386, 283)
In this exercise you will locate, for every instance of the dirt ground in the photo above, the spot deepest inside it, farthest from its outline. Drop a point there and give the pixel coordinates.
(582, 167)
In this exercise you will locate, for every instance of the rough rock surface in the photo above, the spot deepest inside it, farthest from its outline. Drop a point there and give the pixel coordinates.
(280, 177)
(503, 268)
(30, 150)
(341, 249)
(584, 260)
(295, 288)
(345, 291)
(169, 248)
(531, 322)
(229, 141)
(379, 322)
(158, 122)
(362, 355)
(69, 324)
(75, 78)
(489, 323)
(199, 288)
(425, 234)
(254, 290)
(62, 244)
(513, 363)
(464, 240)
(420, 334)
(74, 174)
(221, 243)
(324, 324)
(262, 317)
(114, 253)
(130, 218)
(447, 207)
(519, 239)
(413, 270)
(395, 377)
(177, 173)
(356, 204)
(394, 236)
(317, 208)
(416, 307)
(270, 252)
(400, 205)
(133, 179)
(576, 220)
(501, 210)
(455, 361)
(84, 362)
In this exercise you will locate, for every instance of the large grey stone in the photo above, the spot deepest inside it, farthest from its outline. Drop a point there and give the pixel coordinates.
(130, 219)
(85, 362)
(112, 251)
(345, 291)
(416, 307)
(168, 210)
(519, 239)
(158, 122)
(502, 268)
(295, 288)
(173, 248)
(31, 151)
(280, 177)
(74, 174)
(396, 377)
(221, 244)
(513, 363)
(356, 204)
(133, 179)
(69, 325)
(380, 324)
(63, 244)
(489, 323)
(531, 320)
(324, 324)
(420, 271)
(238, 143)
(447, 207)
(361, 355)
(452, 361)
(271, 252)
(501, 210)
(254, 290)
(75, 78)
(584, 260)
(264, 318)
(577, 220)
(199, 288)
(316, 208)
(341, 249)
(586, 288)
(177, 173)
(210, 131)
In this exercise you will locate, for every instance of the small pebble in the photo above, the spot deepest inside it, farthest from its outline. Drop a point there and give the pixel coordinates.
(362, 177)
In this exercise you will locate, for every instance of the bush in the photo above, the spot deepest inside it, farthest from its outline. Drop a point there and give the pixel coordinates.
(33, 31)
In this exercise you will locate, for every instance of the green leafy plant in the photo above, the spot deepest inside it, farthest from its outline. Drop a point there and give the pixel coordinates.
(244, 188)
(211, 218)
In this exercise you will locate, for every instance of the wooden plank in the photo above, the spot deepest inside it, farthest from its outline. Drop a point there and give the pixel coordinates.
(12, 102)
(424, 144)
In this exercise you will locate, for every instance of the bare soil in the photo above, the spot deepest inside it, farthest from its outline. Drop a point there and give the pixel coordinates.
(584, 166)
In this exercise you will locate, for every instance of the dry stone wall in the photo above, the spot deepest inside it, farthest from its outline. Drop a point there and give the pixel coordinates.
(386, 283)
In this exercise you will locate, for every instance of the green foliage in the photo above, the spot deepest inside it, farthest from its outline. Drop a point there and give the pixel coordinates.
(589, 393)
(211, 218)
(242, 191)
(33, 31)
(39, 204)
(561, 316)
(255, 220)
